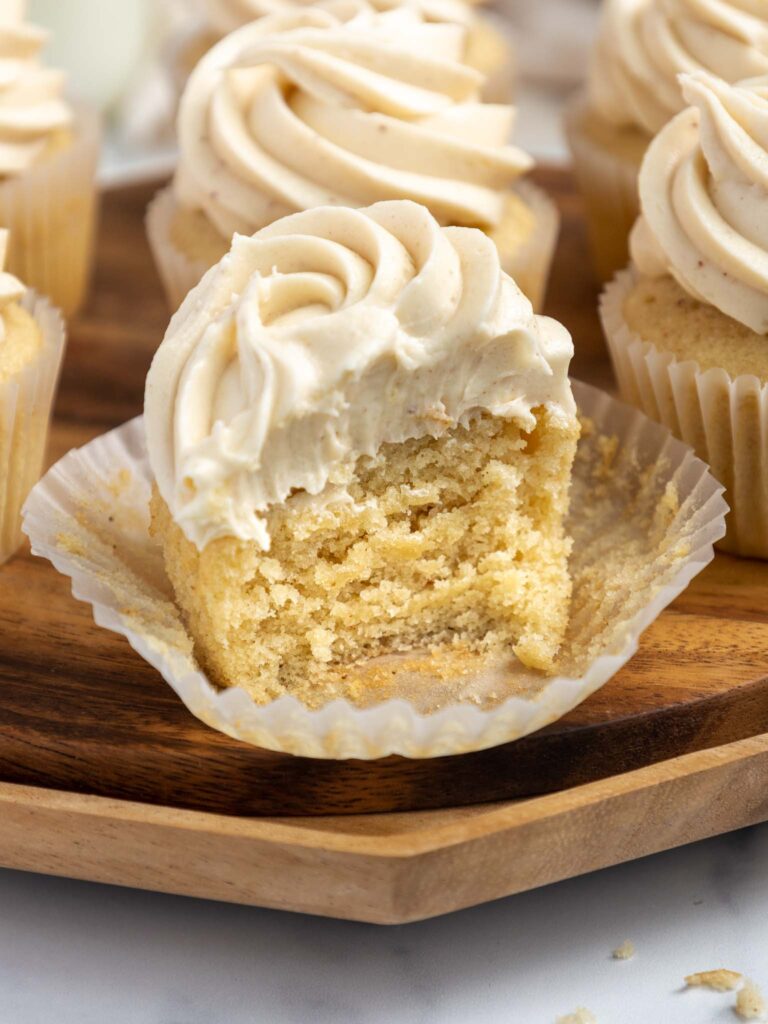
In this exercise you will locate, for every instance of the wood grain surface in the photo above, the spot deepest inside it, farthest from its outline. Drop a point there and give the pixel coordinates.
(80, 711)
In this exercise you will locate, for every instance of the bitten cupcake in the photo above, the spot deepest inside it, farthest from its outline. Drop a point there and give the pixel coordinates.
(487, 49)
(31, 346)
(633, 90)
(361, 437)
(304, 109)
(687, 324)
(48, 157)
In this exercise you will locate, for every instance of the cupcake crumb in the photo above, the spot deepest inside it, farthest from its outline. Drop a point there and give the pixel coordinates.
(720, 980)
(580, 1016)
(751, 1003)
(625, 951)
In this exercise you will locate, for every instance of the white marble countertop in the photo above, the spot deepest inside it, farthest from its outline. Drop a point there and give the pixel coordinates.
(77, 953)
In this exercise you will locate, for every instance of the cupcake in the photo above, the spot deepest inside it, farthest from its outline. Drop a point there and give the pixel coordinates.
(31, 346)
(48, 157)
(632, 91)
(312, 107)
(487, 49)
(361, 438)
(687, 323)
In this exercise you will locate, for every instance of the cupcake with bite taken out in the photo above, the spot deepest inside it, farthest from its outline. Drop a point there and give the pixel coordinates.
(344, 107)
(361, 438)
(687, 323)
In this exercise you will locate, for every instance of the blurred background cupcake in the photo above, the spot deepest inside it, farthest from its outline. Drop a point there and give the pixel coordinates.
(31, 347)
(48, 157)
(265, 129)
(687, 323)
(632, 91)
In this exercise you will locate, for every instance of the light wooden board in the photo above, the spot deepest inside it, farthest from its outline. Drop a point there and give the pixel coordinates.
(81, 714)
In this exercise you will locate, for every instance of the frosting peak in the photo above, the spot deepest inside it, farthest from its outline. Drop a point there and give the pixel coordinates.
(643, 46)
(31, 104)
(342, 105)
(703, 197)
(324, 336)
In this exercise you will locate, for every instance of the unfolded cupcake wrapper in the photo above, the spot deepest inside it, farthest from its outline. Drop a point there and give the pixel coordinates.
(528, 264)
(645, 515)
(531, 263)
(608, 186)
(50, 211)
(178, 272)
(26, 399)
(723, 418)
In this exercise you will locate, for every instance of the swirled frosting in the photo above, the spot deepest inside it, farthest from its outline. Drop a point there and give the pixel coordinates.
(322, 337)
(704, 196)
(342, 107)
(31, 104)
(11, 288)
(643, 45)
(225, 16)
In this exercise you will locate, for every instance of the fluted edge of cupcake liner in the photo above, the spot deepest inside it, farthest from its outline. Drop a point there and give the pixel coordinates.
(723, 418)
(89, 516)
(26, 401)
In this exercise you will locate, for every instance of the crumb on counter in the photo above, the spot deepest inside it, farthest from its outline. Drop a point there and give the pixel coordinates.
(625, 951)
(720, 980)
(579, 1016)
(751, 1003)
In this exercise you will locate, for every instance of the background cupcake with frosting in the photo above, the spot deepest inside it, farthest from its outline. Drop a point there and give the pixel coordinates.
(687, 323)
(633, 91)
(48, 156)
(345, 107)
(487, 49)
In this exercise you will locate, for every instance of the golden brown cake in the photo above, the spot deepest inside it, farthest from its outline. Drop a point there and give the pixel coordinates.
(362, 439)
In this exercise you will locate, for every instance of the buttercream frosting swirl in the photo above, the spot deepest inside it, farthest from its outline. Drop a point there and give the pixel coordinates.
(342, 106)
(31, 104)
(704, 196)
(643, 45)
(322, 337)
(225, 16)
(11, 288)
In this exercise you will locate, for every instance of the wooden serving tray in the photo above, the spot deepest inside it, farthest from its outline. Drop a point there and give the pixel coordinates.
(105, 775)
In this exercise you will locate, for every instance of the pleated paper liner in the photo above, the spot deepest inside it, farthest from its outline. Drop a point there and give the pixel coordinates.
(25, 411)
(50, 211)
(723, 418)
(645, 515)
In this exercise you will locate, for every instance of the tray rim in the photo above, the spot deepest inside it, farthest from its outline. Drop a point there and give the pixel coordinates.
(385, 879)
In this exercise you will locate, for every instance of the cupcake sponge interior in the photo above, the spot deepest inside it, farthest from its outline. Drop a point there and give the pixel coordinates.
(455, 541)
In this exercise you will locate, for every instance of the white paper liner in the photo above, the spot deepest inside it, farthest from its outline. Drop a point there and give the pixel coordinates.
(608, 185)
(26, 399)
(89, 516)
(723, 418)
(529, 264)
(50, 211)
(179, 273)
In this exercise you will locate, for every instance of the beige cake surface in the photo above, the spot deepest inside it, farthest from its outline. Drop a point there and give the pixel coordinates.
(22, 342)
(449, 542)
(658, 310)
